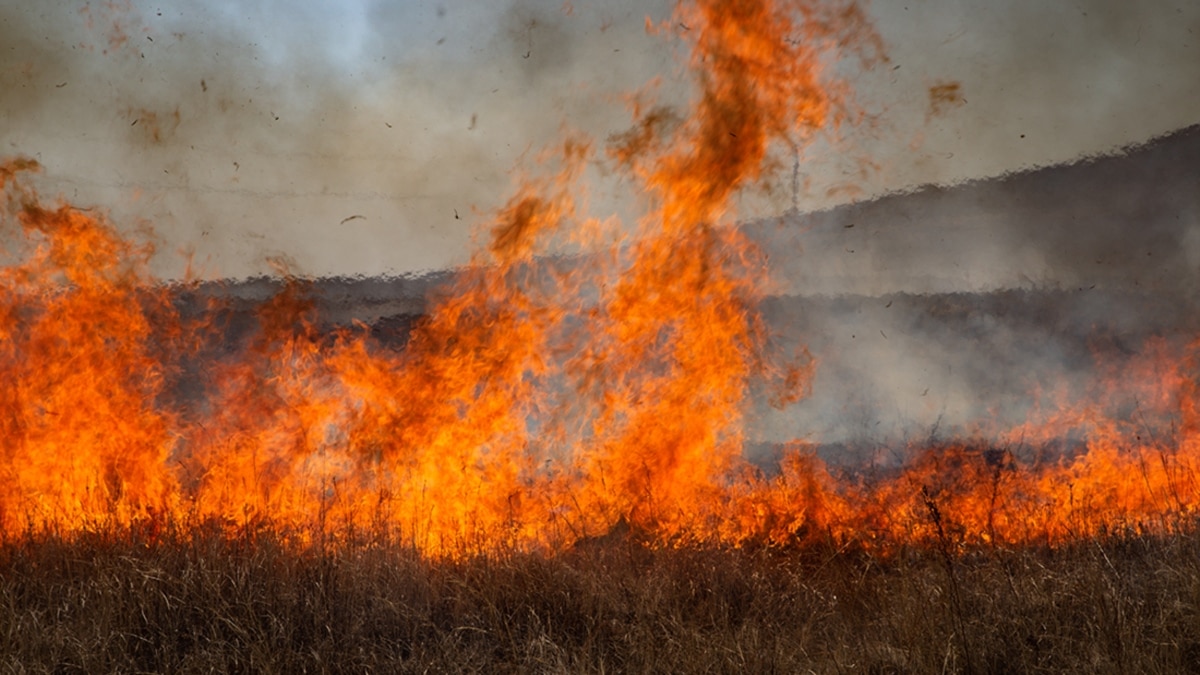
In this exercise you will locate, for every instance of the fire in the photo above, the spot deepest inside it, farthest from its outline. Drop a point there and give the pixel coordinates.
(83, 437)
(544, 400)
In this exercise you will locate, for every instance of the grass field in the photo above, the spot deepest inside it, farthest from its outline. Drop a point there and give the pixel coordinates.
(201, 601)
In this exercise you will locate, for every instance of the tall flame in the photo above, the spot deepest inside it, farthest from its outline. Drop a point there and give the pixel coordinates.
(84, 438)
(545, 399)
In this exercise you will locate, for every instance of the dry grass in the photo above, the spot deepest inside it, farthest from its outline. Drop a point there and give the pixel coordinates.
(201, 602)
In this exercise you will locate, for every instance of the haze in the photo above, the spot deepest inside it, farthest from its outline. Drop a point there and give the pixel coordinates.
(367, 138)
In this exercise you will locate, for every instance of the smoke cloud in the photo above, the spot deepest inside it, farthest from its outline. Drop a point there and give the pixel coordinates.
(336, 138)
(251, 133)
(954, 311)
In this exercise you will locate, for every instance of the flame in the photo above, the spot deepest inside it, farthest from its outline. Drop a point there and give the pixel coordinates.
(545, 400)
(83, 437)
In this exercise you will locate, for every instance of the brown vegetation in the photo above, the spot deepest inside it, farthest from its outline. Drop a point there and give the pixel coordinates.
(137, 601)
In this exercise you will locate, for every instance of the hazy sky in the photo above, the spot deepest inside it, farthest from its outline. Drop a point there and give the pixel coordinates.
(368, 137)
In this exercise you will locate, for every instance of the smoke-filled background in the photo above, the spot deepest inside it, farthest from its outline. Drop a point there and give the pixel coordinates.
(245, 131)
(965, 311)
(371, 138)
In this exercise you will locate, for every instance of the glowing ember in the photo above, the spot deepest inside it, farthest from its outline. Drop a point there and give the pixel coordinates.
(539, 403)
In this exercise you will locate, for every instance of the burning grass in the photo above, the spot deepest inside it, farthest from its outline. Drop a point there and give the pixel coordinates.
(533, 406)
(548, 475)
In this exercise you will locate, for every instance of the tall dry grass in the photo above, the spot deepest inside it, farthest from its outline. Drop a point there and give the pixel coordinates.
(197, 600)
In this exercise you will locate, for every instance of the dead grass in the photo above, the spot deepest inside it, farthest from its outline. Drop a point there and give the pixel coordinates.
(201, 602)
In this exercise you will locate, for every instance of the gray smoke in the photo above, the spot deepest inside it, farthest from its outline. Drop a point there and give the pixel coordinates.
(949, 311)
(1041, 83)
(335, 138)
(251, 132)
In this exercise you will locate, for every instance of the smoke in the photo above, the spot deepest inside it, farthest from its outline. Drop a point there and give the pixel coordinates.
(957, 306)
(1122, 221)
(956, 311)
(335, 138)
(903, 368)
(252, 133)
(1039, 84)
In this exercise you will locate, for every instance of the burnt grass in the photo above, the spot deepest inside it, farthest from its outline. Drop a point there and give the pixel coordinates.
(202, 601)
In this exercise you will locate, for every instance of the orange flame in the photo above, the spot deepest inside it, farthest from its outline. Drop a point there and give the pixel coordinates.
(83, 437)
(543, 401)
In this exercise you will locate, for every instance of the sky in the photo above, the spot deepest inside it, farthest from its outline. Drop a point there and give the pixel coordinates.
(369, 137)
